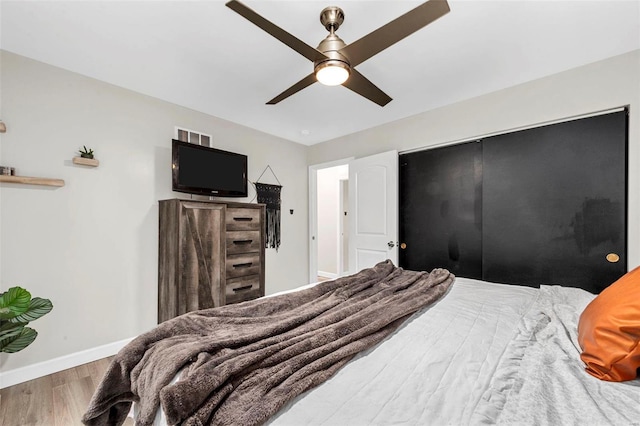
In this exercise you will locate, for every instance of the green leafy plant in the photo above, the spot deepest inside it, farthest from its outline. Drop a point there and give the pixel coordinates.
(17, 309)
(85, 152)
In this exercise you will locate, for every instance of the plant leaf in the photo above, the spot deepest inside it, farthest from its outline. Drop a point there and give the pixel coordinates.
(14, 302)
(37, 308)
(8, 329)
(18, 343)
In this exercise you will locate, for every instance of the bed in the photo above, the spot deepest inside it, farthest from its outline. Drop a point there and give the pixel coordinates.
(480, 353)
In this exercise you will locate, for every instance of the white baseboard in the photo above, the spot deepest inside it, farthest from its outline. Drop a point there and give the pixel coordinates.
(30, 372)
(330, 275)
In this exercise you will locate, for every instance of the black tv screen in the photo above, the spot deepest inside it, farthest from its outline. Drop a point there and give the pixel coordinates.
(208, 171)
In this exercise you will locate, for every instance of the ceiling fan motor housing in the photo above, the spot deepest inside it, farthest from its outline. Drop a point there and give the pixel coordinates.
(331, 46)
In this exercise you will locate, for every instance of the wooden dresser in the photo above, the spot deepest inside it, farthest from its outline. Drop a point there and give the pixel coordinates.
(210, 254)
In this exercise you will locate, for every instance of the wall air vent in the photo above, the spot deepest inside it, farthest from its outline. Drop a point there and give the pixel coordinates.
(192, 136)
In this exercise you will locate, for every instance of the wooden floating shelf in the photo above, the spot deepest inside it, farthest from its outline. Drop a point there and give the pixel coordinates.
(91, 162)
(32, 180)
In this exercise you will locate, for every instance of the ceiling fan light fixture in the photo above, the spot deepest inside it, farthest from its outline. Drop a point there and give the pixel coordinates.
(332, 73)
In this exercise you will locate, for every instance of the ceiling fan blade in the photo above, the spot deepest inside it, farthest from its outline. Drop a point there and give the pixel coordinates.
(362, 86)
(401, 27)
(293, 42)
(307, 81)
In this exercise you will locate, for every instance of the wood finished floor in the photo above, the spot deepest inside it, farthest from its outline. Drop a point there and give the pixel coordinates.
(59, 399)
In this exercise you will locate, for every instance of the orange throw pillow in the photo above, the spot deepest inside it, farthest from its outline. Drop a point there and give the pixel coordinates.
(609, 331)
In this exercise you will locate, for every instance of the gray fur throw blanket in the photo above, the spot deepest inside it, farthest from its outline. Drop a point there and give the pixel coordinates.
(243, 362)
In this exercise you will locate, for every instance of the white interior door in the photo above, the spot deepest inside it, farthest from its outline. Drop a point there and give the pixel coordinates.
(373, 207)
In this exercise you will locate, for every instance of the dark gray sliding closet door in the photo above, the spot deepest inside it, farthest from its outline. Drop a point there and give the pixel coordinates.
(440, 209)
(540, 206)
(554, 203)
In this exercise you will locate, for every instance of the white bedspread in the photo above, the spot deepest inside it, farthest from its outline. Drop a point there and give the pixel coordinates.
(541, 379)
(434, 370)
(484, 354)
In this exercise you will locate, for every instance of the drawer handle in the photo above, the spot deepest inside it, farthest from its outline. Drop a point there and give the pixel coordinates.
(243, 219)
(242, 241)
(243, 288)
(242, 265)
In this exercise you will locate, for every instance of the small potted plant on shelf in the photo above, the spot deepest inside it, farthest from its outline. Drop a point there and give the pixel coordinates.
(86, 153)
(17, 309)
(86, 158)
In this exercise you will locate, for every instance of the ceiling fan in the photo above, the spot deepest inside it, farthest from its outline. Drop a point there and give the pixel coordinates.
(334, 61)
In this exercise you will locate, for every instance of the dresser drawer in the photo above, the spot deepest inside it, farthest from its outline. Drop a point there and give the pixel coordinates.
(240, 265)
(243, 242)
(242, 219)
(243, 288)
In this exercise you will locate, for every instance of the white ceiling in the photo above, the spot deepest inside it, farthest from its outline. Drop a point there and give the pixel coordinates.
(202, 55)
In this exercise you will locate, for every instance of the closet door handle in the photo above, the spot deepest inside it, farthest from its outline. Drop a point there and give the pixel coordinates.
(242, 241)
(242, 265)
(243, 288)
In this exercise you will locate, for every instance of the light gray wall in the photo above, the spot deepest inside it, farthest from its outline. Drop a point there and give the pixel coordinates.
(602, 85)
(92, 245)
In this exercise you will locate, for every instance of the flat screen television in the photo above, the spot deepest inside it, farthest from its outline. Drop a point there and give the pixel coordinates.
(208, 171)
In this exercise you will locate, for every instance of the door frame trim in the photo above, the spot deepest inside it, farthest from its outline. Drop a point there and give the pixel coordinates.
(313, 213)
(341, 213)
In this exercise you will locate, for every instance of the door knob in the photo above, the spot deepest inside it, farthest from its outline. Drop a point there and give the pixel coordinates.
(403, 246)
(391, 244)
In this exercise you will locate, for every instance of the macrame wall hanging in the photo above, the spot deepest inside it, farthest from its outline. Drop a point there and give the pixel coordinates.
(270, 195)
